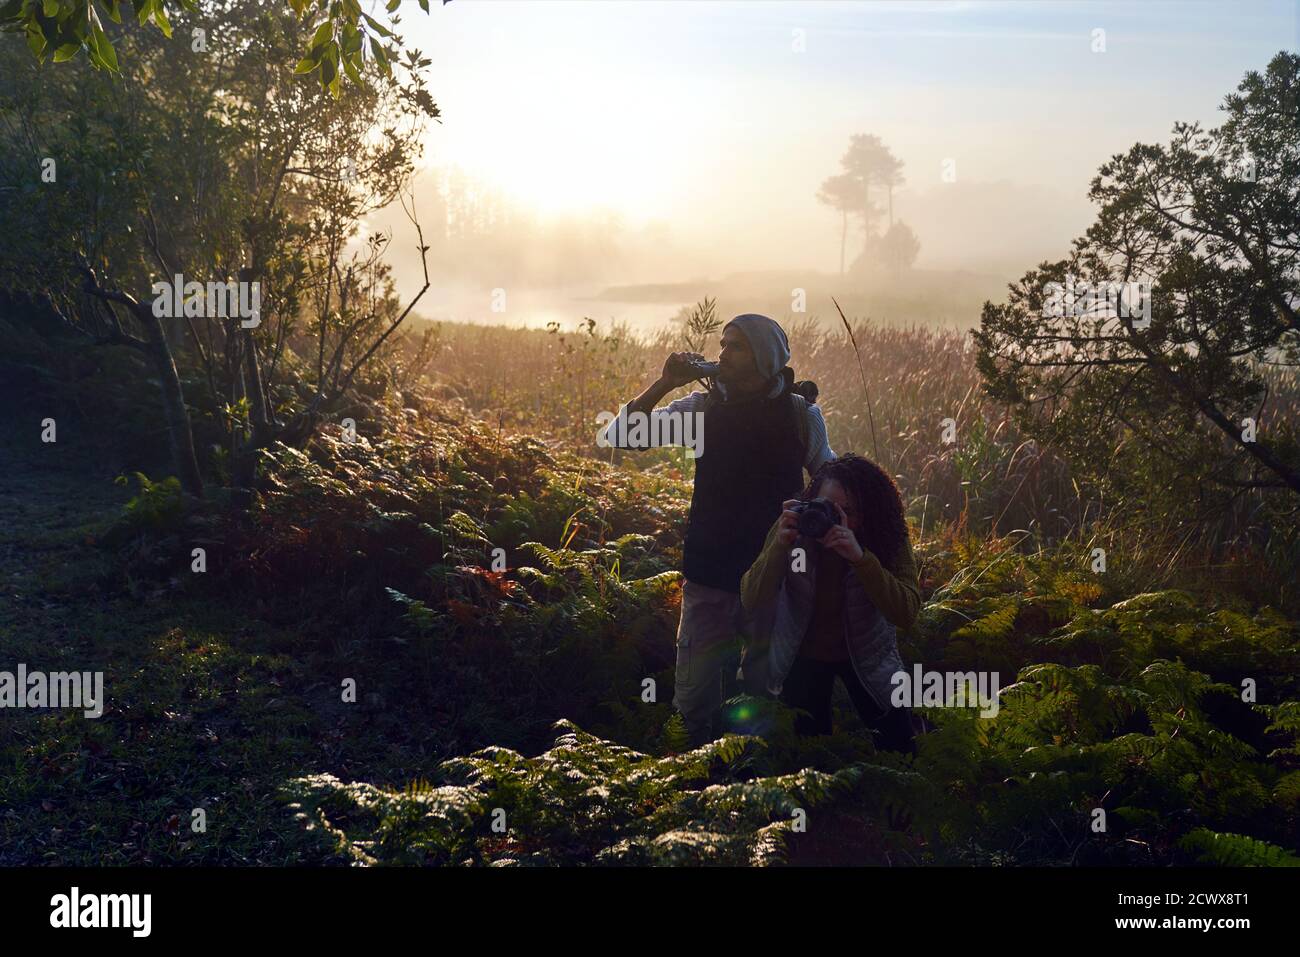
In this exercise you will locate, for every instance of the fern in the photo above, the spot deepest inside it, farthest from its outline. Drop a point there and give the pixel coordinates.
(996, 624)
(1235, 850)
(157, 507)
(673, 739)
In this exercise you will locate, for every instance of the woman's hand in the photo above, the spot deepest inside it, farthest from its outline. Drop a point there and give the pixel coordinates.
(841, 540)
(788, 523)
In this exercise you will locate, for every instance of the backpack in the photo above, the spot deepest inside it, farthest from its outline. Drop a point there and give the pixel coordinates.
(802, 394)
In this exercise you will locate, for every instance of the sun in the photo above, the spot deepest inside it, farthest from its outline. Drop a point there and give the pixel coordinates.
(562, 145)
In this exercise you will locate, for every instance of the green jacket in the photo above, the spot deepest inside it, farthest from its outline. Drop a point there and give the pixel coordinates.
(779, 607)
(896, 591)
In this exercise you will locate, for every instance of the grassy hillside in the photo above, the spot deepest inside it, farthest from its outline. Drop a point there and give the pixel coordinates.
(502, 716)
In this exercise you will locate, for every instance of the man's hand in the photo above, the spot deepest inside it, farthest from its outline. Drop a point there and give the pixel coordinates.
(788, 529)
(675, 375)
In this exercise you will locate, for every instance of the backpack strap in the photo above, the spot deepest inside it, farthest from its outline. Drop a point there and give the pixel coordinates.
(799, 405)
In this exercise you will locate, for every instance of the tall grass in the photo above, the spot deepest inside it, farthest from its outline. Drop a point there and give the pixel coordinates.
(991, 479)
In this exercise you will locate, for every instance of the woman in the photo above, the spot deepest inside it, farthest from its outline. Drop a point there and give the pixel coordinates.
(839, 601)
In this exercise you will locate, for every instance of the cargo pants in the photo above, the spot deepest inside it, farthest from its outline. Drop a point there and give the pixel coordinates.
(717, 656)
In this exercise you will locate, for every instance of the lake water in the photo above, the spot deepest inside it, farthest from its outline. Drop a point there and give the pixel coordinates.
(534, 308)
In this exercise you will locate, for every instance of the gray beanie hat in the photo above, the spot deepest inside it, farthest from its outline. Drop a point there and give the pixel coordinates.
(767, 339)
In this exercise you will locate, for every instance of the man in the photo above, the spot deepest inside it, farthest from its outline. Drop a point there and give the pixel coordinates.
(756, 438)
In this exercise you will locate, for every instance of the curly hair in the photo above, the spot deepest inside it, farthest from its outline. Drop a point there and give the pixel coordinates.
(880, 507)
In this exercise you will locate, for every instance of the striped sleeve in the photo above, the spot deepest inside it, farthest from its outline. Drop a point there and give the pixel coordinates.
(819, 446)
(692, 402)
(618, 426)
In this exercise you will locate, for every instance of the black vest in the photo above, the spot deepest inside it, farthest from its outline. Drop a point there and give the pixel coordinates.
(752, 461)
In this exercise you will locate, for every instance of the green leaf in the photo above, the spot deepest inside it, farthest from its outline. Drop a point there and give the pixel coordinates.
(380, 56)
(393, 5)
(114, 9)
(51, 8)
(378, 27)
(104, 48)
(66, 52)
(307, 64)
(351, 38)
(143, 10)
(322, 35)
(350, 69)
(161, 20)
(424, 5)
(36, 40)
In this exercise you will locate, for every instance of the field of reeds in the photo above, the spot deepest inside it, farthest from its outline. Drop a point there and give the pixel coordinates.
(886, 392)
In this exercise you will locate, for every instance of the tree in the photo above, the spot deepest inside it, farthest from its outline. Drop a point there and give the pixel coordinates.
(1202, 235)
(226, 169)
(867, 163)
(841, 192)
(897, 247)
(63, 28)
(888, 171)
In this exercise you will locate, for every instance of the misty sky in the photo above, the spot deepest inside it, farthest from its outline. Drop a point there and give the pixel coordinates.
(702, 116)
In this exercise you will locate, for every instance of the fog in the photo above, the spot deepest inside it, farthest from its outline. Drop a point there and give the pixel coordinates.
(679, 147)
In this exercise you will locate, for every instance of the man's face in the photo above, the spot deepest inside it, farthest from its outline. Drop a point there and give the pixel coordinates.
(737, 363)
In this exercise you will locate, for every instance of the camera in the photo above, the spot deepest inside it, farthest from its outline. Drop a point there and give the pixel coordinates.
(700, 367)
(816, 517)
